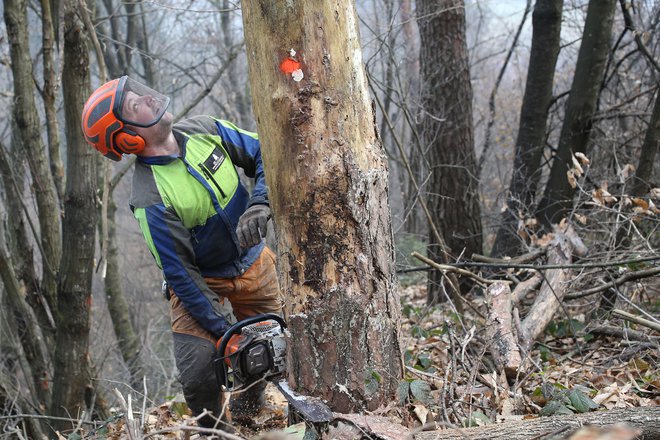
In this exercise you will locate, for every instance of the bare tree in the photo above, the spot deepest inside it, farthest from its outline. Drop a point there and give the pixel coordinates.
(546, 21)
(73, 390)
(328, 189)
(576, 128)
(453, 194)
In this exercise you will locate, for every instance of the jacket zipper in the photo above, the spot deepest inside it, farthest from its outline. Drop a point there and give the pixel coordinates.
(209, 176)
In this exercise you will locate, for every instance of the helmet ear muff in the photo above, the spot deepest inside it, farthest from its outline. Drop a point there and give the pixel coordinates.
(129, 142)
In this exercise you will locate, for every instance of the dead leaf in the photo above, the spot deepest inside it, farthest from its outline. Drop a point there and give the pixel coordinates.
(641, 203)
(544, 241)
(602, 197)
(576, 166)
(581, 218)
(582, 158)
(655, 193)
(627, 171)
(570, 175)
(421, 412)
(531, 223)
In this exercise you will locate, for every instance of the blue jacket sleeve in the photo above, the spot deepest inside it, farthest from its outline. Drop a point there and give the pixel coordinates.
(170, 242)
(245, 151)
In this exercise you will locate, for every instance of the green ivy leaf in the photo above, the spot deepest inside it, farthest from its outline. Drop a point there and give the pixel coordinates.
(554, 408)
(477, 418)
(403, 391)
(424, 360)
(421, 391)
(580, 402)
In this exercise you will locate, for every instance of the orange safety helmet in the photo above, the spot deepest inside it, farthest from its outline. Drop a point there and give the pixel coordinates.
(103, 119)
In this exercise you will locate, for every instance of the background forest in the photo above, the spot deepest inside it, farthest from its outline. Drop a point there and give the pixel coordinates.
(498, 120)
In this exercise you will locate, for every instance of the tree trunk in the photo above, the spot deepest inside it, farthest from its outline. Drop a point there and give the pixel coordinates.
(594, 50)
(49, 92)
(453, 192)
(21, 318)
(27, 137)
(72, 366)
(328, 184)
(546, 22)
(641, 184)
(646, 419)
(127, 338)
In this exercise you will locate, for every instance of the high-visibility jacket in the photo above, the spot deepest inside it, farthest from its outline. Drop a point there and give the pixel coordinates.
(188, 206)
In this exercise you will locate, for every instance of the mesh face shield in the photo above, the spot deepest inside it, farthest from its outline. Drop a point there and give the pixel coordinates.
(138, 104)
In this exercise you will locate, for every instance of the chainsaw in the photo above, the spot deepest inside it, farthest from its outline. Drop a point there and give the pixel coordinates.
(251, 350)
(255, 349)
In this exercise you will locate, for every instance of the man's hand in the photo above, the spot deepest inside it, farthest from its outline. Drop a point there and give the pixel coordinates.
(252, 225)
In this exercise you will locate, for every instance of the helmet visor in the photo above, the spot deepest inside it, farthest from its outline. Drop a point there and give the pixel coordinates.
(138, 104)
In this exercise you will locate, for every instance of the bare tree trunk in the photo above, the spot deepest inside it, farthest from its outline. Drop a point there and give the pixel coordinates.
(328, 185)
(127, 338)
(143, 44)
(29, 333)
(453, 193)
(27, 137)
(594, 50)
(546, 21)
(644, 172)
(49, 92)
(72, 389)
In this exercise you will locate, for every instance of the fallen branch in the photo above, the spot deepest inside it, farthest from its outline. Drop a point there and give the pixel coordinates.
(521, 259)
(636, 319)
(451, 268)
(551, 293)
(629, 276)
(524, 287)
(646, 419)
(623, 333)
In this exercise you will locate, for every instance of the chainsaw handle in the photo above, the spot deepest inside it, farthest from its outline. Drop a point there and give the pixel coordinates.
(236, 328)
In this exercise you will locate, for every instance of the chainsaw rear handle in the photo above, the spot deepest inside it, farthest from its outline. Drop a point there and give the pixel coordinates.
(236, 328)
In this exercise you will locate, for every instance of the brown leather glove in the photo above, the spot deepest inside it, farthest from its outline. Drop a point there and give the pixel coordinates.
(252, 225)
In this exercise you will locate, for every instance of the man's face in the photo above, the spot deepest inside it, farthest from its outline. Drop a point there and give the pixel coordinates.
(141, 110)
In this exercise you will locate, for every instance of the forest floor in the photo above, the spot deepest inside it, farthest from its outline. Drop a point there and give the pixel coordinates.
(450, 381)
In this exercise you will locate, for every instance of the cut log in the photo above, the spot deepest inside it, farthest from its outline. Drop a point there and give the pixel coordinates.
(551, 293)
(645, 419)
(504, 347)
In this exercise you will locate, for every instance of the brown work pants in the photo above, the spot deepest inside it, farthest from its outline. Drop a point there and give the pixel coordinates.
(253, 293)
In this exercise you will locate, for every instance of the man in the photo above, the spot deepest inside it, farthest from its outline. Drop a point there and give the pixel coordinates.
(202, 227)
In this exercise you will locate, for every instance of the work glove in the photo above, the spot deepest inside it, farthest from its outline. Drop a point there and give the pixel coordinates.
(252, 225)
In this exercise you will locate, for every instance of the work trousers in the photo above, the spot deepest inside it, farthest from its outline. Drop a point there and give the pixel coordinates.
(253, 293)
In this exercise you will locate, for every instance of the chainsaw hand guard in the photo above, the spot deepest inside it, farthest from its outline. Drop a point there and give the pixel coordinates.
(251, 350)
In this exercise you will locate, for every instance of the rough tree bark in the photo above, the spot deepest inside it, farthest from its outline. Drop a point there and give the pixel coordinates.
(27, 137)
(641, 184)
(49, 92)
(328, 184)
(546, 23)
(646, 419)
(72, 387)
(446, 127)
(592, 58)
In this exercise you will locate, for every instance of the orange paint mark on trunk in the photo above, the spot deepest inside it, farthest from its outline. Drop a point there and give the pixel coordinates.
(289, 65)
